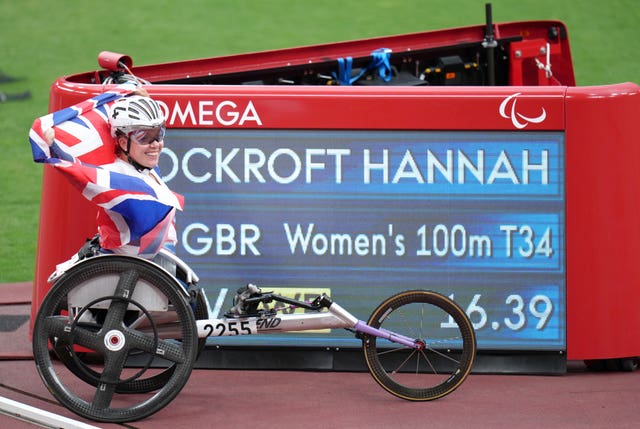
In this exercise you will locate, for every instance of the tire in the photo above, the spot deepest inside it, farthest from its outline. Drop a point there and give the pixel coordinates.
(122, 324)
(436, 369)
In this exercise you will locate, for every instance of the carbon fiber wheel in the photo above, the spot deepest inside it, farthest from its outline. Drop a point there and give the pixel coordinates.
(447, 346)
(118, 309)
(80, 363)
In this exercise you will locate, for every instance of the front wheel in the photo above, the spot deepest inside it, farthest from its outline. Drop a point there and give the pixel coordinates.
(446, 339)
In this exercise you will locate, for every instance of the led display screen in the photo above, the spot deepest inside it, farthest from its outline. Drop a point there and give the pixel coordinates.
(361, 215)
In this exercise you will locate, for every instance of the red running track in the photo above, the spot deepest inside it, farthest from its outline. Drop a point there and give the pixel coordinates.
(297, 399)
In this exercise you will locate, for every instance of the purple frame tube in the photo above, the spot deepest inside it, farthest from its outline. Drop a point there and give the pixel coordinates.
(388, 335)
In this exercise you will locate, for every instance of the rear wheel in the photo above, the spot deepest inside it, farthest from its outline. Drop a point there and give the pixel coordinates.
(116, 309)
(79, 362)
(446, 351)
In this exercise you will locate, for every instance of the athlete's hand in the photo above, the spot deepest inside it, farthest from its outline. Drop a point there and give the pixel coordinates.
(141, 91)
(49, 136)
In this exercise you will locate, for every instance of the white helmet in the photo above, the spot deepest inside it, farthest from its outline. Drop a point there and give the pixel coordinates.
(134, 113)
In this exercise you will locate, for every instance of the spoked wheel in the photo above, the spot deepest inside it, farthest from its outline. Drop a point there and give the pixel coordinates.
(79, 363)
(446, 339)
(116, 308)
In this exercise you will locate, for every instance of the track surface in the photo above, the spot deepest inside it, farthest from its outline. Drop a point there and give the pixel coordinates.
(297, 399)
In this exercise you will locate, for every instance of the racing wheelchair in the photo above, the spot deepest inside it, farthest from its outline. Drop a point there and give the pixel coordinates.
(116, 337)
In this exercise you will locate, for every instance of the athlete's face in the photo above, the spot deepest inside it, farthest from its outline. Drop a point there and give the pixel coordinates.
(145, 146)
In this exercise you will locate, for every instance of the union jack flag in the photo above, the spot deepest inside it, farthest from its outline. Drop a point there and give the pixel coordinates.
(132, 212)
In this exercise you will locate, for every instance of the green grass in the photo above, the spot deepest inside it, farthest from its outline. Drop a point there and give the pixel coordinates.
(43, 40)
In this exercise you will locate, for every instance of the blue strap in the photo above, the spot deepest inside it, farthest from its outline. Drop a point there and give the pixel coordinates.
(380, 61)
(344, 71)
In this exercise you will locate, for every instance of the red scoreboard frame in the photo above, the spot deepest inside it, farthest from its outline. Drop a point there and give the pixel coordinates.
(535, 92)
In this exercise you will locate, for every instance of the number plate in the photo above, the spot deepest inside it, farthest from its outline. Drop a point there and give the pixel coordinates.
(226, 327)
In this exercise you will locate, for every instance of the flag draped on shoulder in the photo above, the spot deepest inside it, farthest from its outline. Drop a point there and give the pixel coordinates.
(82, 130)
(139, 215)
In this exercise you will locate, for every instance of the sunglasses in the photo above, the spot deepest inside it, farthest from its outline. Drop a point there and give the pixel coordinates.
(145, 137)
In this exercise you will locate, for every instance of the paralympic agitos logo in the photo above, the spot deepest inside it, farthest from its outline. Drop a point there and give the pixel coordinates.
(508, 110)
